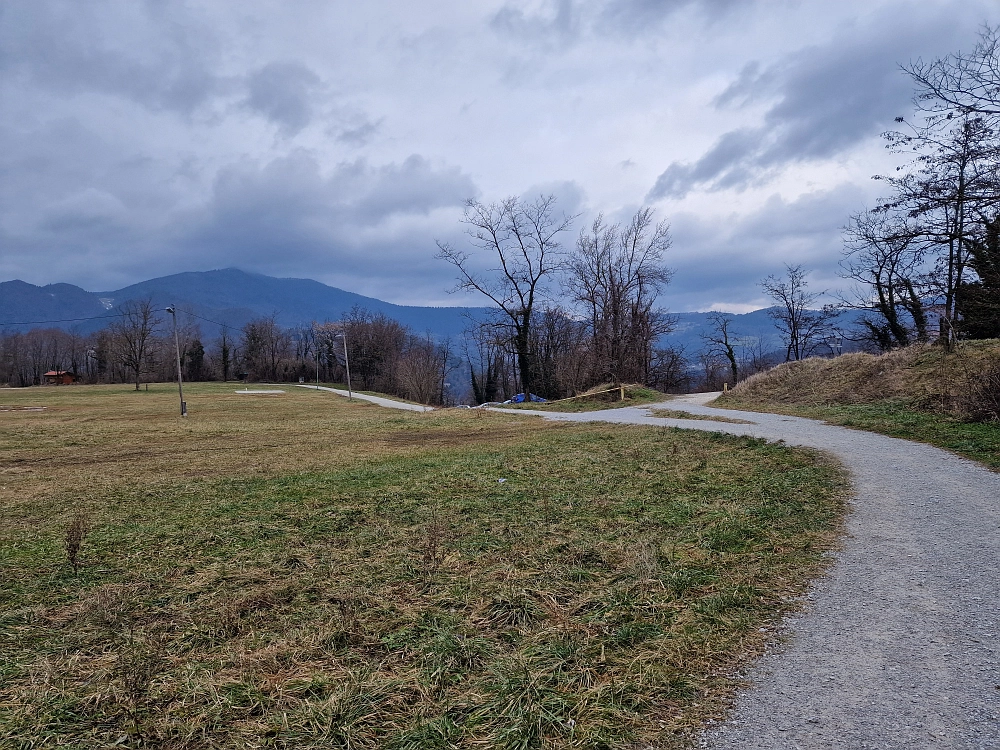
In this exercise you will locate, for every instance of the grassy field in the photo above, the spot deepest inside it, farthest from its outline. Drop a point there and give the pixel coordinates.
(298, 572)
(920, 393)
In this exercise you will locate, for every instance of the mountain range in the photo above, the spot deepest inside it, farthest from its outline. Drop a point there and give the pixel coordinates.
(227, 297)
(232, 297)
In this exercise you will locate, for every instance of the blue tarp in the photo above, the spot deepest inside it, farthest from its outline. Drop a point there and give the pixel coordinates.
(520, 398)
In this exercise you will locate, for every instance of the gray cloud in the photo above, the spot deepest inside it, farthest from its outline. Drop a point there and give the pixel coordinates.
(360, 134)
(560, 23)
(646, 16)
(284, 93)
(745, 249)
(285, 213)
(827, 99)
(129, 50)
(137, 138)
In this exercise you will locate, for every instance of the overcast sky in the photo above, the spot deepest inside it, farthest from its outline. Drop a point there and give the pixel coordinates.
(337, 140)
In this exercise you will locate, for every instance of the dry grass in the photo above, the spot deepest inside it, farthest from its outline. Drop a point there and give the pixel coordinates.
(300, 572)
(923, 375)
(599, 397)
(923, 393)
(681, 414)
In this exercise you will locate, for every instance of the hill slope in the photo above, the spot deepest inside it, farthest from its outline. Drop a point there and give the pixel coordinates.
(229, 296)
(923, 393)
(923, 376)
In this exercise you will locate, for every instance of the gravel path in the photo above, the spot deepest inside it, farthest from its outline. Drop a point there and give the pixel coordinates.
(387, 402)
(899, 645)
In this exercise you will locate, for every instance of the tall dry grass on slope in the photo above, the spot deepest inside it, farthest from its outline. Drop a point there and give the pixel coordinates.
(947, 399)
(925, 377)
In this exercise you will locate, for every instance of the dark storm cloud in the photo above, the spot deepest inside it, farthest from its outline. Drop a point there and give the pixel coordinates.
(287, 211)
(284, 93)
(827, 99)
(131, 50)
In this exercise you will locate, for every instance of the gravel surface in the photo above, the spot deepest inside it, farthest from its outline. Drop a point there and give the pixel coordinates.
(899, 645)
(388, 402)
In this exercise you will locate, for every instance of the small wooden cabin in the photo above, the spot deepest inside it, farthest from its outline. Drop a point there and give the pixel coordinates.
(60, 377)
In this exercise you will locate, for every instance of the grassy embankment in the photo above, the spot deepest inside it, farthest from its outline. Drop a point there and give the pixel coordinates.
(299, 572)
(597, 398)
(919, 393)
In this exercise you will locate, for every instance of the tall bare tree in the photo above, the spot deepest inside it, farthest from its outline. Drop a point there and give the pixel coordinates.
(133, 335)
(952, 182)
(617, 274)
(264, 346)
(802, 327)
(961, 83)
(523, 240)
(721, 342)
(884, 259)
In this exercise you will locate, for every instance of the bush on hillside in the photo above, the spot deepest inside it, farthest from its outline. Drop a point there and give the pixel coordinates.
(982, 398)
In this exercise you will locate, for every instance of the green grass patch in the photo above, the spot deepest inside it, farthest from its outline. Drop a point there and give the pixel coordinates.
(391, 591)
(979, 441)
(681, 414)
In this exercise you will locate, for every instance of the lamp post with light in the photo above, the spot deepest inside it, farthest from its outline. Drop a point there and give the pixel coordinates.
(177, 351)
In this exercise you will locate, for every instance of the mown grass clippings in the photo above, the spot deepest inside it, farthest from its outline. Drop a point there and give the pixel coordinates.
(391, 593)
(681, 414)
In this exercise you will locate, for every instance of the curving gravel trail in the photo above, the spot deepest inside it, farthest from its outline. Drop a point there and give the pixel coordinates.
(899, 645)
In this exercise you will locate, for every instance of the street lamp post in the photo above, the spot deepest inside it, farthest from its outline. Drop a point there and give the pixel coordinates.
(177, 351)
(347, 366)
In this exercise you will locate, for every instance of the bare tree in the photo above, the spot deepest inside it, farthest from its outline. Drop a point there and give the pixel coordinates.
(375, 344)
(264, 346)
(669, 370)
(224, 353)
(945, 192)
(422, 369)
(522, 238)
(133, 336)
(617, 274)
(720, 342)
(491, 362)
(802, 327)
(961, 83)
(882, 256)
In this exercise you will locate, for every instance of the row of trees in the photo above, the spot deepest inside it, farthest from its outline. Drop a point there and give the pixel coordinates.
(929, 252)
(565, 319)
(137, 347)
